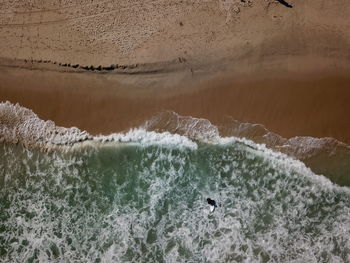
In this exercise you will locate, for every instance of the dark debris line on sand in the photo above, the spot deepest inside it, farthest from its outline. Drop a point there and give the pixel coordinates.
(285, 3)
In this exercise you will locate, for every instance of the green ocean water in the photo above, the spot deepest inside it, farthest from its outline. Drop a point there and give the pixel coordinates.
(145, 201)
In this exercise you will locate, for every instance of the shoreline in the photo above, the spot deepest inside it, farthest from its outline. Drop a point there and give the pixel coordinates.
(315, 104)
(109, 66)
(117, 117)
(326, 156)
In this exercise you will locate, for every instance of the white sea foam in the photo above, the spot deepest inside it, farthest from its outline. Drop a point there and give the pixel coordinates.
(283, 161)
(147, 138)
(267, 198)
(21, 125)
(236, 231)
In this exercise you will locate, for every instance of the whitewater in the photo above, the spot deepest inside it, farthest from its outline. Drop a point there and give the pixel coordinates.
(142, 198)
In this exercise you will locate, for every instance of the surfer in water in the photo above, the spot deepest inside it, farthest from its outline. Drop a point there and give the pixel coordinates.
(212, 204)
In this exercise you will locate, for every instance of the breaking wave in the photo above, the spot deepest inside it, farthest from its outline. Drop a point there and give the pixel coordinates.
(140, 196)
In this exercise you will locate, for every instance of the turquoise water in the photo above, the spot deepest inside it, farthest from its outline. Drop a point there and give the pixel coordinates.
(145, 201)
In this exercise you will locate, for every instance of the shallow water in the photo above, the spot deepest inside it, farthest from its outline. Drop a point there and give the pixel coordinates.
(145, 201)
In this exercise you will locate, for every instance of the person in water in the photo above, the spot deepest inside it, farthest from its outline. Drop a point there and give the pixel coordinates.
(212, 204)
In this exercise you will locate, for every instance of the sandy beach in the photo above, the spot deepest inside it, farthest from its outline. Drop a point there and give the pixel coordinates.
(174, 131)
(297, 105)
(107, 66)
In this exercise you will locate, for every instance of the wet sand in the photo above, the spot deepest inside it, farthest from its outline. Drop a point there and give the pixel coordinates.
(290, 105)
(256, 61)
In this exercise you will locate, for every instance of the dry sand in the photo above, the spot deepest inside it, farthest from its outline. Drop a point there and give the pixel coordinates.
(257, 61)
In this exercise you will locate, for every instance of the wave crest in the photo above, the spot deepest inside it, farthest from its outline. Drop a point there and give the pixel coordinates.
(325, 156)
(21, 125)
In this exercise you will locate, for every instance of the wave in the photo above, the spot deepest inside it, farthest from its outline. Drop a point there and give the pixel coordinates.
(23, 126)
(203, 130)
(146, 202)
(140, 196)
(326, 156)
